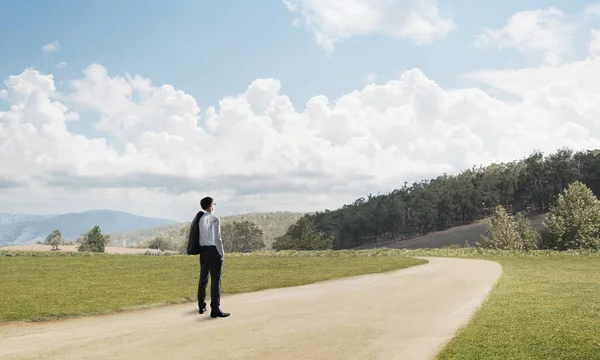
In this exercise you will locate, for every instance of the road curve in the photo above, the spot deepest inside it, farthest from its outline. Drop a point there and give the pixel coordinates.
(406, 314)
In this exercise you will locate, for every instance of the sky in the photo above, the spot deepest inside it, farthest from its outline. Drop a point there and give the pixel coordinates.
(292, 105)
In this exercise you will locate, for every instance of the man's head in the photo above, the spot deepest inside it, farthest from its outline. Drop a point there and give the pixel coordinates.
(207, 204)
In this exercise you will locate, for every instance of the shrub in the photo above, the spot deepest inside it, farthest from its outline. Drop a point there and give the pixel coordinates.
(93, 240)
(242, 236)
(529, 237)
(509, 233)
(54, 239)
(161, 244)
(300, 236)
(574, 222)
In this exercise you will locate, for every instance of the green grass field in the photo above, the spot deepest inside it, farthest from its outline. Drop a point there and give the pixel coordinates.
(542, 308)
(48, 286)
(546, 305)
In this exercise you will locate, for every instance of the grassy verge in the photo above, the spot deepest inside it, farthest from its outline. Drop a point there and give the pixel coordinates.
(545, 306)
(542, 308)
(42, 286)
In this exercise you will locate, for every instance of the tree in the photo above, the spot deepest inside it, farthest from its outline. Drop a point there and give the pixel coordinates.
(242, 236)
(160, 243)
(574, 223)
(531, 184)
(300, 236)
(529, 237)
(509, 233)
(54, 239)
(93, 240)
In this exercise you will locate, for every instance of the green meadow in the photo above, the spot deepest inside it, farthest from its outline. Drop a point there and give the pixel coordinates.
(43, 286)
(546, 305)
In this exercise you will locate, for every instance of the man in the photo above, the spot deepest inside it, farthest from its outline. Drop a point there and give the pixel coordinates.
(212, 256)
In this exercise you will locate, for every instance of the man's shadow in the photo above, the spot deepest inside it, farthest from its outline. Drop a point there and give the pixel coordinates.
(201, 317)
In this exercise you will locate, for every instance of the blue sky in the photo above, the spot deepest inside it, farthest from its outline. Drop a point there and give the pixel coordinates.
(213, 49)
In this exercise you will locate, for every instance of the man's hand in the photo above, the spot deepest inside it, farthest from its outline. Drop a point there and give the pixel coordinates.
(222, 258)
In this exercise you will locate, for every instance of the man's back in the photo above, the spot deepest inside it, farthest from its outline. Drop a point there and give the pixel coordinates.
(209, 229)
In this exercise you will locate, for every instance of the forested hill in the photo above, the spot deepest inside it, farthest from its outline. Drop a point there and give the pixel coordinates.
(531, 184)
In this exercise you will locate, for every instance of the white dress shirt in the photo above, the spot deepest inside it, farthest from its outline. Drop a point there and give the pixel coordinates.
(210, 232)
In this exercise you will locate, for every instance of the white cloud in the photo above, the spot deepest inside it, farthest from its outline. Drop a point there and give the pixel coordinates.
(257, 151)
(50, 47)
(369, 79)
(594, 44)
(591, 12)
(61, 64)
(549, 31)
(333, 21)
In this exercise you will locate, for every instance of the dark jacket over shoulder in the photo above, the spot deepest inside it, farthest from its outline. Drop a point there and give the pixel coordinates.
(193, 247)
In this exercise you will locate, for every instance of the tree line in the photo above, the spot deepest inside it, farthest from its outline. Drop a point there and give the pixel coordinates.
(531, 184)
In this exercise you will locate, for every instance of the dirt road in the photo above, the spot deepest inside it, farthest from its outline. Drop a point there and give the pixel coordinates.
(407, 314)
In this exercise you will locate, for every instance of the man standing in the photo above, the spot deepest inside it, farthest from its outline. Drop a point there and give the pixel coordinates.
(212, 256)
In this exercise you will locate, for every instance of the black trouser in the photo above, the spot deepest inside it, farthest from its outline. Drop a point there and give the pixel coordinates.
(210, 262)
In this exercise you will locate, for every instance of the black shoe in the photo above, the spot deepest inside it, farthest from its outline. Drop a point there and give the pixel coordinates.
(218, 313)
(202, 310)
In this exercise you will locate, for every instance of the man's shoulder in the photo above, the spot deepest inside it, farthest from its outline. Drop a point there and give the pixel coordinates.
(212, 218)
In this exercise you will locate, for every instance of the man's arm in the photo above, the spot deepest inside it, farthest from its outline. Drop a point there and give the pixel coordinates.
(217, 236)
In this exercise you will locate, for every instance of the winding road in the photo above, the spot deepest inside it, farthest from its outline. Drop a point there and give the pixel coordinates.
(406, 314)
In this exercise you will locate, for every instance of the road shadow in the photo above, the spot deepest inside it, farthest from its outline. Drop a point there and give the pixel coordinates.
(201, 317)
(192, 312)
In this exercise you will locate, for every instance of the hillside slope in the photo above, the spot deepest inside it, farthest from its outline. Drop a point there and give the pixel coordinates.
(273, 224)
(27, 229)
(455, 236)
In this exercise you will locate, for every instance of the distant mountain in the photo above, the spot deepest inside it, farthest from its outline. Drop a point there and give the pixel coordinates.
(6, 218)
(17, 229)
(273, 224)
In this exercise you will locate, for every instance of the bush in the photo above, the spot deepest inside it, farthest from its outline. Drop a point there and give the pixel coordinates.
(546, 240)
(300, 236)
(509, 233)
(54, 239)
(529, 236)
(242, 236)
(574, 223)
(161, 244)
(93, 240)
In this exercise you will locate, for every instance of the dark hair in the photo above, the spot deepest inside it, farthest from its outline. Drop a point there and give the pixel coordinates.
(206, 202)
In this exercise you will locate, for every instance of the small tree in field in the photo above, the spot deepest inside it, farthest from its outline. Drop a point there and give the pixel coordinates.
(160, 243)
(93, 240)
(54, 239)
(574, 223)
(242, 236)
(509, 233)
(300, 236)
(529, 237)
